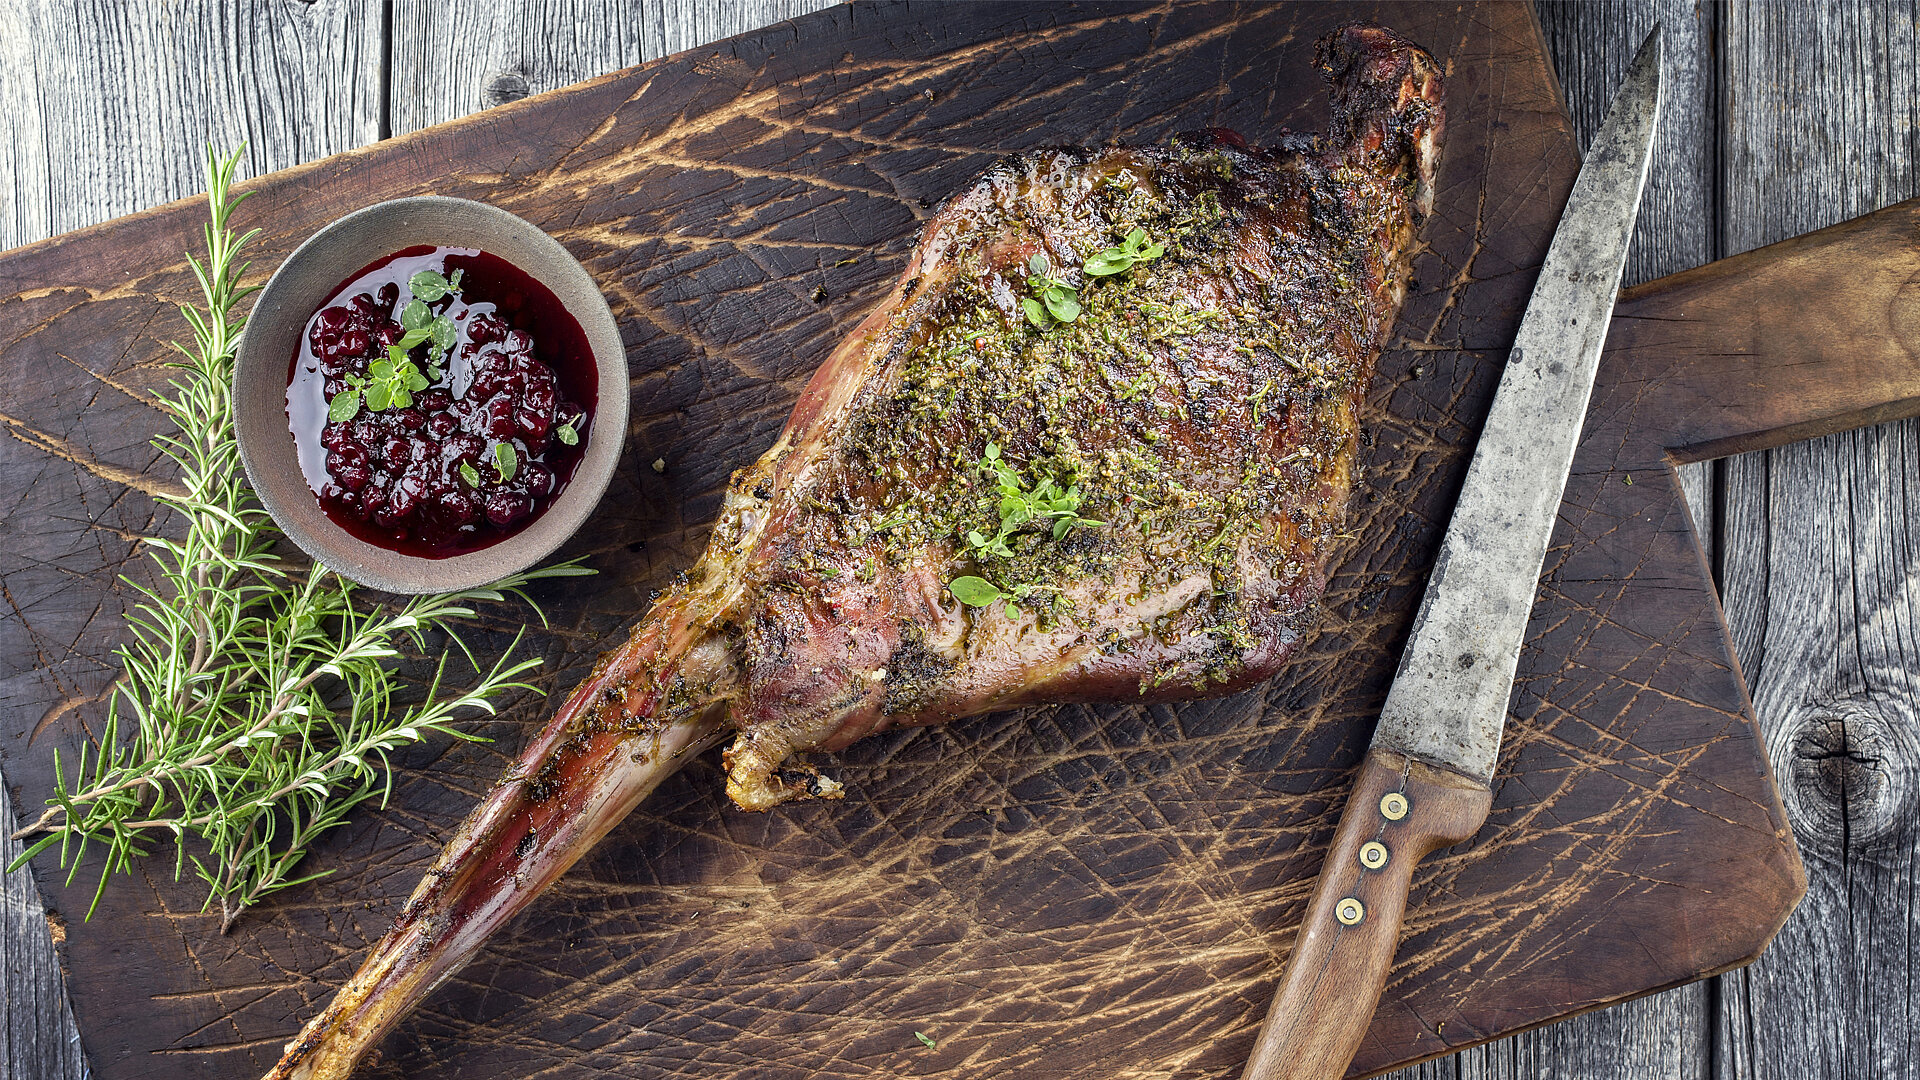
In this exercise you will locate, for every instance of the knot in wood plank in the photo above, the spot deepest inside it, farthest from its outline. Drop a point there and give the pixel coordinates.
(1849, 783)
(505, 86)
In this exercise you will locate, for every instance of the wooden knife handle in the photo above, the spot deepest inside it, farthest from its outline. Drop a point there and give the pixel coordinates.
(1399, 811)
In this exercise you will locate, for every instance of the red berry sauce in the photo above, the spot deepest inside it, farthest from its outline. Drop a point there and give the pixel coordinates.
(430, 477)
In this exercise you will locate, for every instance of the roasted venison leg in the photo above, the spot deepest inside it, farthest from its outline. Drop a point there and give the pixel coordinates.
(1020, 479)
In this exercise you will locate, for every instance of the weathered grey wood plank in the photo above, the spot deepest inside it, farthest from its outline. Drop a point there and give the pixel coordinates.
(108, 107)
(109, 104)
(449, 60)
(37, 1034)
(1820, 567)
(1666, 1035)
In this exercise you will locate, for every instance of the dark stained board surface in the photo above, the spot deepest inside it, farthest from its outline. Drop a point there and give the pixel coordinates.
(1059, 892)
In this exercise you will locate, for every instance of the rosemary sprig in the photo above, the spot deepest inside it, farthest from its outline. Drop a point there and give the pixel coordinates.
(258, 703)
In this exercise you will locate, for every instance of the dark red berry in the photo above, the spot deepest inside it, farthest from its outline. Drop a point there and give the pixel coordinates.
(434, 400)
(499, 417)
(345, 457)
(353, 477)
(456, 506)
(440, 425)
(389, 293)
(407, 496)
(504, 508)
(482, 329)
(332, 320)
(488, 374)
(532, 426)
(463, 447)
(540, 396)
(538, 479)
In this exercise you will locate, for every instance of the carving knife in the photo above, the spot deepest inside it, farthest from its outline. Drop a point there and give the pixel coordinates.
(1426, 782)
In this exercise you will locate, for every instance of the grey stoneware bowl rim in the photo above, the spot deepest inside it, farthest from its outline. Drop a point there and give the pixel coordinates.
(296, 290)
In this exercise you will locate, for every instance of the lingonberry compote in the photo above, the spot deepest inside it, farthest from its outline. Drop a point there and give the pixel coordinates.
(440, 400)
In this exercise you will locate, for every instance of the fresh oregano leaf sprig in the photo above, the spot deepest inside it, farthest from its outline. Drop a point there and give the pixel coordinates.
(1054, 506)
(258, 702)
(1118, 260)
(1053, 300)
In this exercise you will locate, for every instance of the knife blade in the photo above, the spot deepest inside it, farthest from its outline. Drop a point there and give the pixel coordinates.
(1426, 781)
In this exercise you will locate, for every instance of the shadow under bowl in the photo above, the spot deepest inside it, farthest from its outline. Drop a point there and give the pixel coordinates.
(307, 279)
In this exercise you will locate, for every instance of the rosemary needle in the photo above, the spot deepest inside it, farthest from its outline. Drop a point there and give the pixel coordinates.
(258, 702)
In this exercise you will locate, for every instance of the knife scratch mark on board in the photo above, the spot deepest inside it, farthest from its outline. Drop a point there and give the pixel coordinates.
(105, 470)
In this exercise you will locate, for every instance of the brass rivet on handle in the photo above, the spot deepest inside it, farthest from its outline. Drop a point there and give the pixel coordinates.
(1373, 854)
(1393, 806)
(1349, 911)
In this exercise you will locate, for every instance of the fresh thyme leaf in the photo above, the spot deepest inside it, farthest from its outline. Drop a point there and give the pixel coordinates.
(1046, 502)
(1036, 314)
(974, 591)
(470, 474)
(1118, 260)
(441, 336)
(258, 702)
(415, 315)
(1053, 300)
(926, 1039)
(567, 435)
(344, 406)
(429, 285)
(391, 383)
(419, 321)
(505, 461)
(1062, 303)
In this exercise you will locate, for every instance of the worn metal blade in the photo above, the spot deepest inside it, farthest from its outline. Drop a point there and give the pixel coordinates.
(1449, 701)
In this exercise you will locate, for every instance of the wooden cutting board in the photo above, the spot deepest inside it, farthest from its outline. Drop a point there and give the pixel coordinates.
(1087, 892)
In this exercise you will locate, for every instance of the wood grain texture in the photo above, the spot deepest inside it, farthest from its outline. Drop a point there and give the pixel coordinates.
(1822, 112)
(1344, 948)
(452, 59)
(638, 905)
(304, 81)
(108, 105)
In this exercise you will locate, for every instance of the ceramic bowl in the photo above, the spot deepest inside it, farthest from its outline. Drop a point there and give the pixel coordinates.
(307, 279)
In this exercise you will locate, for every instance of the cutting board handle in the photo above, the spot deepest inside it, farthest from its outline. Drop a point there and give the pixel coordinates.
(1803, 338)
(1400, 810)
